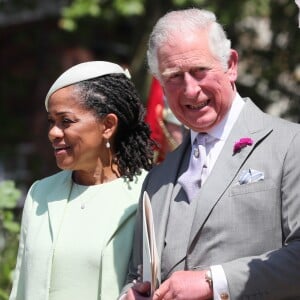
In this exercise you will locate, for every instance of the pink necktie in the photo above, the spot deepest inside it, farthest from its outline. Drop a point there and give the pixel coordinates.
(191, 179)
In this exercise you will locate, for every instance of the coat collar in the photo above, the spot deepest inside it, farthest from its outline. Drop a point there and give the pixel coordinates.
(124, 207)
(58, 198)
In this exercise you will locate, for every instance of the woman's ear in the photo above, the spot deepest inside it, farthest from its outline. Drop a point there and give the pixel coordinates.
(110, 124)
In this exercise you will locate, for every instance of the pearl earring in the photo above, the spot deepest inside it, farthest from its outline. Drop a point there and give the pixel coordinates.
(107, 144)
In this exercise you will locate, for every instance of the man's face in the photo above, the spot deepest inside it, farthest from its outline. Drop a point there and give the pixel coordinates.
(198, 88)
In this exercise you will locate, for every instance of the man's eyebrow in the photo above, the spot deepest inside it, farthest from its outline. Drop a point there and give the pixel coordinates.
(170, 71)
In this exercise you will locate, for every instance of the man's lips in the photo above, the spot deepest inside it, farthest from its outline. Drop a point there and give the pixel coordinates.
(198, 106)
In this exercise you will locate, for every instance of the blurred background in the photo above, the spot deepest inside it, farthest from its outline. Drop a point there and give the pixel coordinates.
(39, 39)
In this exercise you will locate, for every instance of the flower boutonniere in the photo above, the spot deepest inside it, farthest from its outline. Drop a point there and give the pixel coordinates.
(242, 143)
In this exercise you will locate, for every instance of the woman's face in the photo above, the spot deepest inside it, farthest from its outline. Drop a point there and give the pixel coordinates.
(74, 132)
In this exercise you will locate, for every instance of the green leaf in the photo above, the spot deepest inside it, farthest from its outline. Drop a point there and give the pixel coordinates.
(11, 226)
(129, 7)
(3, 295)
(67, 24)
(9, 194)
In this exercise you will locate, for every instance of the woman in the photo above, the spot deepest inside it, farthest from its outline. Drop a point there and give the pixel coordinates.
(77, 225)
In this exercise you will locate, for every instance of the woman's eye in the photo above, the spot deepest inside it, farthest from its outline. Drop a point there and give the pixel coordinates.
(50, 121)
(67, 121)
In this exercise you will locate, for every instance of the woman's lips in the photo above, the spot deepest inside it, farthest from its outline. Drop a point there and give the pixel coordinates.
(58, 150)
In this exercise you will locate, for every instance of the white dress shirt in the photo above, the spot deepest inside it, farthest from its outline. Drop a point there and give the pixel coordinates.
(220, 133)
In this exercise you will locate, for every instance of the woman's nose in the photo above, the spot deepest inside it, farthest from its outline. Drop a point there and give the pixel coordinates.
(55, 132)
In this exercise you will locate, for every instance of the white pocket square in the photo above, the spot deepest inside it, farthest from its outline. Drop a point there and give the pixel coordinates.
(250, 176)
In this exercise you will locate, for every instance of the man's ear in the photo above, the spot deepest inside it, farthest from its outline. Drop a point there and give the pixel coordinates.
(110, 124)
(232, 70)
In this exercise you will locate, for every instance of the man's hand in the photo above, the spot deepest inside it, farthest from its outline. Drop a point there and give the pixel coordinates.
(138, 292)
(184, 285)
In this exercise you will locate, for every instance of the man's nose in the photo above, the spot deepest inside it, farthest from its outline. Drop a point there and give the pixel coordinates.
(192, 86)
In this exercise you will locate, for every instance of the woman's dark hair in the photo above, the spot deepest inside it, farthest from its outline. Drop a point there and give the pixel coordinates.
(115, 93)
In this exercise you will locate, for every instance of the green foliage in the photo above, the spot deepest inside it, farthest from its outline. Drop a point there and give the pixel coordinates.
(129, 7)
(95, 8)
(79, 9)
(9, 195)
(9, 230)
(257, 8)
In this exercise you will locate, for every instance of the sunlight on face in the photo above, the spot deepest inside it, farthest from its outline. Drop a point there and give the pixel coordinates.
(74, 132)
(198, 89)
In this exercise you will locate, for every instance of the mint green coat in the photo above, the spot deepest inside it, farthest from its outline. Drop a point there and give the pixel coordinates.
(43, 215)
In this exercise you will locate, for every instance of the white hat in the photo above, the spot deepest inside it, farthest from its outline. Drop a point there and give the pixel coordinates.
(84, 71)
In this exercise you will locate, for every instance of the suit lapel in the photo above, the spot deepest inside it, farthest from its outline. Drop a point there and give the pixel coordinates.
(249, 124)
(57, 201)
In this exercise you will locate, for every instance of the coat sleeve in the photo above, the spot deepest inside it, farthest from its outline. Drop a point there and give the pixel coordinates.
(18, 286)
(136, 257)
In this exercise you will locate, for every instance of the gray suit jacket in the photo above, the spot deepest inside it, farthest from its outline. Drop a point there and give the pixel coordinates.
(252, 230)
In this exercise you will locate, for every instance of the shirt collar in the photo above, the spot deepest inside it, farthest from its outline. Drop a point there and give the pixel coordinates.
(222, 129)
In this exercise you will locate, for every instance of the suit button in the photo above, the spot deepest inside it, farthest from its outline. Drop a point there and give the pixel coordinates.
(224, 296)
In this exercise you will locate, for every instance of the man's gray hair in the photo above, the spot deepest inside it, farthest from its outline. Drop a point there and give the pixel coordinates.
(185, 21)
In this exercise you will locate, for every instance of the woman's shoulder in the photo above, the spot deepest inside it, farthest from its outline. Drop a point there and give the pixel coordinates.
(52, 181)
(141, 177)
(135, 186)
(62, 175)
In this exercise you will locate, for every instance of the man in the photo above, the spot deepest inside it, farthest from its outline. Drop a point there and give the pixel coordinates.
(236, 233)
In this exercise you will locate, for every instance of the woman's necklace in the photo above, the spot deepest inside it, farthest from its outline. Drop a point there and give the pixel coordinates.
(76, 192)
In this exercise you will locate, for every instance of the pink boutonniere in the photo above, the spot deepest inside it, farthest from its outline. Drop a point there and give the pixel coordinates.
(242, 143)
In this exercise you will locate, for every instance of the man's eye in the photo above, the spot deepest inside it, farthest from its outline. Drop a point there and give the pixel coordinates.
(175, 77)
(199, 71)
